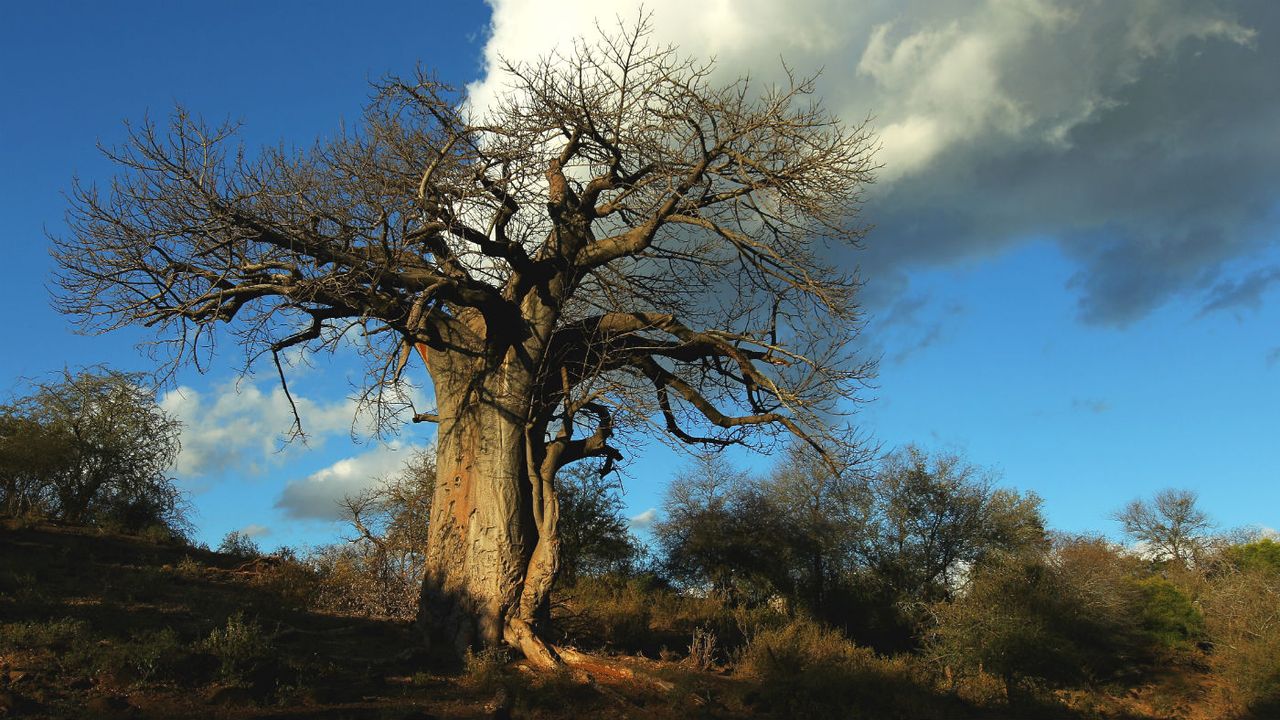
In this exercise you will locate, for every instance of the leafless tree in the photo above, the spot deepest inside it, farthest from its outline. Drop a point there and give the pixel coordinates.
(1170, 526)
(617, 244)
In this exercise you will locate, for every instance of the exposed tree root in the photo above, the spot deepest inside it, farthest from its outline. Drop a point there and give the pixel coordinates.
(521, 636)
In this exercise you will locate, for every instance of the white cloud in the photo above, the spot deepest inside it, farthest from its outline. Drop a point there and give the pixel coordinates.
(255, 531)
(238, 425)
(644, 520)
(317, 496)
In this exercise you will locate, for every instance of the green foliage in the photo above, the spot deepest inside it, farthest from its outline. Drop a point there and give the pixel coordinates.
(241, 646)
(594, 538)
(1059, 617)
(240, 545)
(91, 448)
(865, 551)
(1166, 614)
(935, 515)
(1262, 555)
(719, 532)
(146, 656)
(52, 634)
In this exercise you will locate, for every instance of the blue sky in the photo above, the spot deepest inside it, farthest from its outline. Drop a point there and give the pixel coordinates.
(1072, 277)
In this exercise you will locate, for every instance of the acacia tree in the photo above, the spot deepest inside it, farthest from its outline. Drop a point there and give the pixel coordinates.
(617, 244)
(91, 447)
(1171, 526)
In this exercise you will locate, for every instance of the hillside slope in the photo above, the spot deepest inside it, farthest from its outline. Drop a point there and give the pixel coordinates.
(100, 625)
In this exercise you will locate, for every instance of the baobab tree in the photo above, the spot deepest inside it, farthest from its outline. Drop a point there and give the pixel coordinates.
(618, 244)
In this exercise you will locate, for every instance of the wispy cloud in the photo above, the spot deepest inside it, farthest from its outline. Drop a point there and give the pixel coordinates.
(644, 520)
(1245, 292)
(1093, 405)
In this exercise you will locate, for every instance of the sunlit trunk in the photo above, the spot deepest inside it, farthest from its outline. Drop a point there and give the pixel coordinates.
(490, 556)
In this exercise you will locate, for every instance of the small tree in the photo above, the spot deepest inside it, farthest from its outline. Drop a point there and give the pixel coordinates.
(379, 570)
(1170, 526)
(935, 516)
(595, 537)
(824, 507)
(719, 532)
(1039, 616)
(91, 447)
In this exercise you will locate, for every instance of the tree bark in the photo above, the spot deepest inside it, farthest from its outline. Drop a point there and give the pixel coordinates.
(491, 554)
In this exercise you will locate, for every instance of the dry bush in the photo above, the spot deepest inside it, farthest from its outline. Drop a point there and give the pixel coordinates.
(378, 572)
(803, 669)
(353, 582)
(292, 579)
(484, 671)
(702, 649)
(639, 614)
(1242, 614)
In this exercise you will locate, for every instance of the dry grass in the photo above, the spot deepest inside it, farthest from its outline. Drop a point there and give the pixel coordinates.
(94, 624)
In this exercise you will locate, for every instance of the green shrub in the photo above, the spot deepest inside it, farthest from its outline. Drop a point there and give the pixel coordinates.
(238, 544)
(241, 647)
(52, 634)
(1261, 555)
(156, 653)
(148, 655)
(1166, 614)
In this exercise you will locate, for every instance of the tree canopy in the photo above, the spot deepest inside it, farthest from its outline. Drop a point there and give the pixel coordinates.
(91, 447)
(619, 243)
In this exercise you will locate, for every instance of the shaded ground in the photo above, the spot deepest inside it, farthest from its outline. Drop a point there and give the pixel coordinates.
(101, 625)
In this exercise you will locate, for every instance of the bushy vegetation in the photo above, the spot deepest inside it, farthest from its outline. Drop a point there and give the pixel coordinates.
(377, 572)
(909, 587)
(1242, 616)
(91, 447)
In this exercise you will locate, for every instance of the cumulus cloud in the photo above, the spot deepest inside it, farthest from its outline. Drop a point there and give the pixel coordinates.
(255, 531)
(1137, 134)
(317, 496)
(239, 425)
(644, 520)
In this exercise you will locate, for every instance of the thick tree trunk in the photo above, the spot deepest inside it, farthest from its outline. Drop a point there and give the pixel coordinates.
(491, 556)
